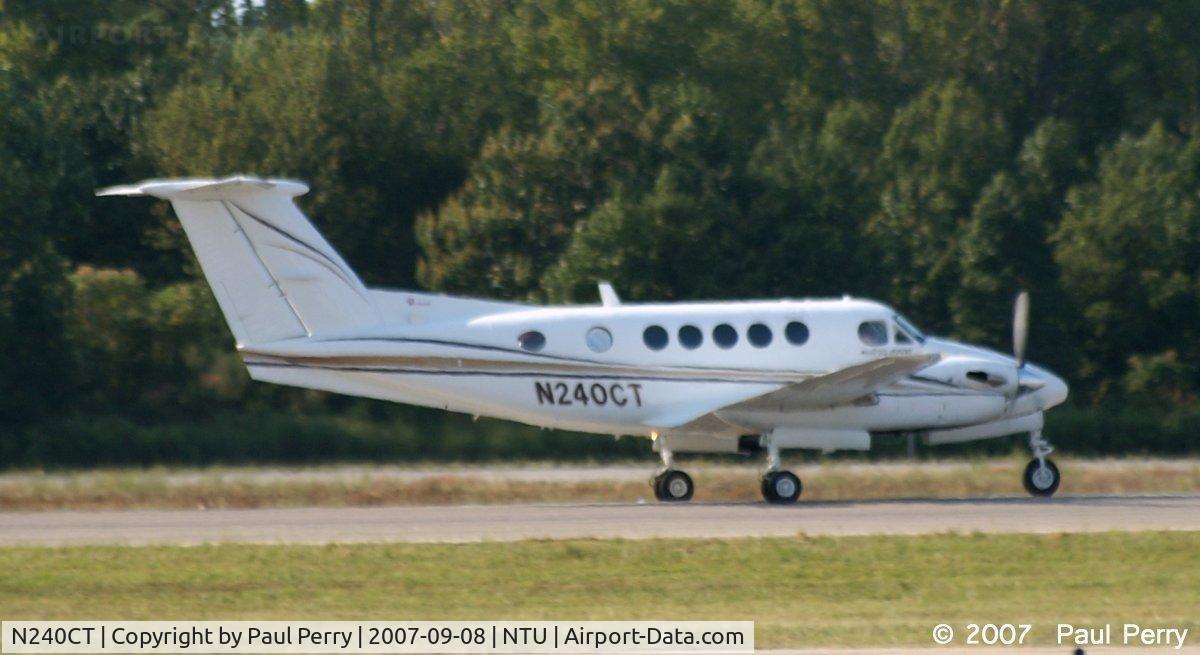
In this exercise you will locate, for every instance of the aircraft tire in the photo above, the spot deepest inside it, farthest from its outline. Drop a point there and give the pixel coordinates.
(673, 486)
(781, 487)
(1041, 483)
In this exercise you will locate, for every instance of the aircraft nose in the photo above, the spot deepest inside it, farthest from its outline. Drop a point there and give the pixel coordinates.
(1054, 392)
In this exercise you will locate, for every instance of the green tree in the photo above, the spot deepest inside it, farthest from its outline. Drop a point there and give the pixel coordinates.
(516, 213)
(815, 189)
(662, 246)
(299, 105)
(937, 154)
(43, 182)
(1005, 247)
(1129, 249)
(141, 349)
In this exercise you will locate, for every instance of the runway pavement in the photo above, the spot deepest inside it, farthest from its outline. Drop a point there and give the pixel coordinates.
(635, 521)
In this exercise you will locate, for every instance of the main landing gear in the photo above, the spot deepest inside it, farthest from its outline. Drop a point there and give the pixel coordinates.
(778, 486)
(1041, 476)
(671, 485)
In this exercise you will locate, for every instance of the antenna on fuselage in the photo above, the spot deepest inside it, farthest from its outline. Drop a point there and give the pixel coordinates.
(608, 296)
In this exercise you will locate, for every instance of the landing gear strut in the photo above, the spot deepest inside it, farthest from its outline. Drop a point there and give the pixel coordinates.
(778, 486)
(1041, 476)
(671, 485)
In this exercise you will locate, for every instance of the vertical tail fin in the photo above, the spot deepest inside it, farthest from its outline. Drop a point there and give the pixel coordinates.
(274, 276)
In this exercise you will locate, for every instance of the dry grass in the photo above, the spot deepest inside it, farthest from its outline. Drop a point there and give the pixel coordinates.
(385, 485)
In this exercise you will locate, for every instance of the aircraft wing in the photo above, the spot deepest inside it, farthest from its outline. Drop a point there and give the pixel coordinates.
(836, 388)
(839, 387)
(698, 419)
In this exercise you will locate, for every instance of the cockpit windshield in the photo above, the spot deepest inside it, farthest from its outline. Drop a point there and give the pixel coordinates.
(908, 328)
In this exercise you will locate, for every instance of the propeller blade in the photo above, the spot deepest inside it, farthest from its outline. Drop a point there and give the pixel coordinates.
(1020, 327)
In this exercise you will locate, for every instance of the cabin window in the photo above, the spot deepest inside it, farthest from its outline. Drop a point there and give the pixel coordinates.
(759, 335)
(725, 336)
(690, 337)
(533, 341)
(873, 333)
(599, 339)
(796, 333)
(902, 337)
(655, 337)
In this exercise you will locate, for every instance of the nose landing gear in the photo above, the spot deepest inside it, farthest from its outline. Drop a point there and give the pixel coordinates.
(1041, 477)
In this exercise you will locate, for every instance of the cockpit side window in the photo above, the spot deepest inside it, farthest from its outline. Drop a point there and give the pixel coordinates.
(873, 333)
(906, 327)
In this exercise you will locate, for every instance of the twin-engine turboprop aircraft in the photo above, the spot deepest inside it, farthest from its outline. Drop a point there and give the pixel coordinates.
(713, 377)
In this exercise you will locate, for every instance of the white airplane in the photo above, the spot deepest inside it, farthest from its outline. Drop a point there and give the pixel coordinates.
(712, 377)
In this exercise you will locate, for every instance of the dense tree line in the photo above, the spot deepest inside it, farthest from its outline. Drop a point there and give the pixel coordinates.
(934, 155)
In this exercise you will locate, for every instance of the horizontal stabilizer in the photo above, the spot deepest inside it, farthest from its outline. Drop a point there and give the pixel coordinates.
(206, 189)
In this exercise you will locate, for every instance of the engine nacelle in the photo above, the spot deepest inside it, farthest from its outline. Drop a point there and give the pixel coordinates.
(1004, 427)
(974, 373)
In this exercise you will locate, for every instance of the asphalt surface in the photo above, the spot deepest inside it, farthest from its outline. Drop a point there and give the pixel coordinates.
(635, 521)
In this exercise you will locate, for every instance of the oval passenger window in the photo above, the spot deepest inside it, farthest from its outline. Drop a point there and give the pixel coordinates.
(725, 336)
(759, 335)
(655, 337)
(796, 333)
(599, 339)
(690, 337)
(533, 341)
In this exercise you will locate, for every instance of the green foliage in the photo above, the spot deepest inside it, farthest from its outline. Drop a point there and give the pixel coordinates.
(263, 437)
(1129, 250)
(41, 184)
(936, 157)
(1006, 246)
(1137, 429)
(814, 185)
(147, 349)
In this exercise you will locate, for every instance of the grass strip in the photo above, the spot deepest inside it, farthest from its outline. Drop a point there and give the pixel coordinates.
(849, 591)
